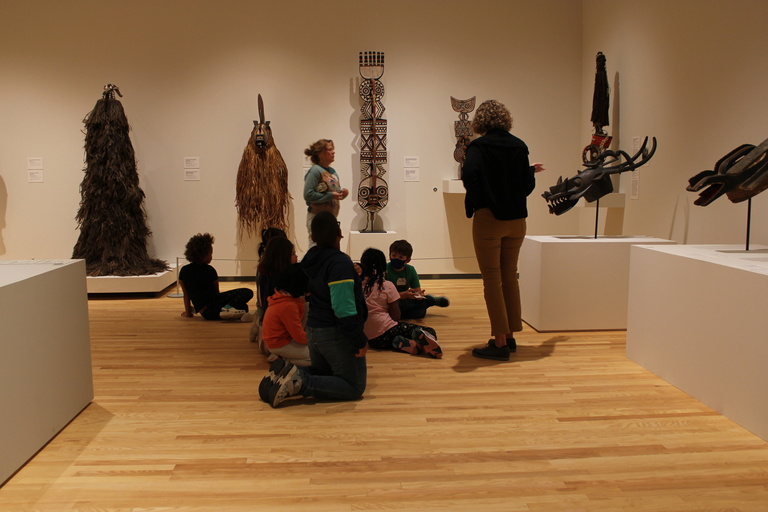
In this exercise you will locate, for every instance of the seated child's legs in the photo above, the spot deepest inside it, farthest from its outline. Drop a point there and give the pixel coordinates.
(413, 309)
(335, 373)
(237, 298)
(294, 352)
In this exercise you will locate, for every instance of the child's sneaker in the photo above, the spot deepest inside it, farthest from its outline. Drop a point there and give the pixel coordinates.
(287, 384)
(277, 368)
(264, 387)
(427, 343)
(230, 313)
(441, 302)
(403, 344)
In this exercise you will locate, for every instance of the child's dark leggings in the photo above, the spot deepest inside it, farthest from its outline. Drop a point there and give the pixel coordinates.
(415, 309)
(237, 298)
(404, 329)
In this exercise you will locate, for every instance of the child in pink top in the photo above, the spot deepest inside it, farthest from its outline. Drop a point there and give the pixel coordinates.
(383, 328)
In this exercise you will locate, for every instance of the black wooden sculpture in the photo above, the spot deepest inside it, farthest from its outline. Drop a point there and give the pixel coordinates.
(741, 175)
(590, 183)
(600, 104)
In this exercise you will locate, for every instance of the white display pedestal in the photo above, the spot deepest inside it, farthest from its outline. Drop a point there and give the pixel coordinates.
(152, 283)
(45, 368)
(570, 283)
(359, 242)
(698, 320)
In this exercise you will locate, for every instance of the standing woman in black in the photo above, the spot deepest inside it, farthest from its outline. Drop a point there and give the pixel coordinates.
(498, 179)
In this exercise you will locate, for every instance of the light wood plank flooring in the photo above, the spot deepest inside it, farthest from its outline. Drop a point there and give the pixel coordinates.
(569, 424)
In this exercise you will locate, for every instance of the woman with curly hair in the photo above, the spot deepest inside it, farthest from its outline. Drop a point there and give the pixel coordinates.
(383, 327)
(498, 178)
(322, 188)
(200, 283)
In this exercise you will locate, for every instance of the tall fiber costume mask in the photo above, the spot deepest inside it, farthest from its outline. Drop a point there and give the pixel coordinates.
(262, 197)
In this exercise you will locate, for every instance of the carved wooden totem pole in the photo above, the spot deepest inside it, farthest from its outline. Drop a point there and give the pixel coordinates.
(373, 192)
(462, 128)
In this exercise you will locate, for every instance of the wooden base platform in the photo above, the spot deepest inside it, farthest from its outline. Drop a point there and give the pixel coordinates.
(153, 283)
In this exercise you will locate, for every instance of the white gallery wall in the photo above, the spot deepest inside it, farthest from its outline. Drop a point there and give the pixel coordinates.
(190, 71)
(691, 73)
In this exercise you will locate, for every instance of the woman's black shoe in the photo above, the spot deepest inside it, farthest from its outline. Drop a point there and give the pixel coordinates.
(491, 351)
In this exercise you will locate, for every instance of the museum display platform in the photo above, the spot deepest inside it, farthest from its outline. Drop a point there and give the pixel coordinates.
(576, 283)
(45, 371)
(697, 319)
(152, 283)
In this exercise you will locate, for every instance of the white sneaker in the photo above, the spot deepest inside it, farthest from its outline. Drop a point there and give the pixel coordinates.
(230, 313)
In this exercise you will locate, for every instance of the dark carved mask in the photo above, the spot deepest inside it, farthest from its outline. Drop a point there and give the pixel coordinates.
(741, 174)
(262, 133)
(594, 181)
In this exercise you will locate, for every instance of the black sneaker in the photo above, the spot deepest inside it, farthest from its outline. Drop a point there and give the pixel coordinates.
(264, 386)
(275, 368)
(512, 344)
(491, 351)
(287, 384)
(441, 302)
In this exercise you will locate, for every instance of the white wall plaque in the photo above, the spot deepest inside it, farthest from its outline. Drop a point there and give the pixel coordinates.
(191, 174)
(411, 174)
(35, 163)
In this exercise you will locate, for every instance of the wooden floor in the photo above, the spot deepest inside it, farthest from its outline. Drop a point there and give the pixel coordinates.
(569, 424)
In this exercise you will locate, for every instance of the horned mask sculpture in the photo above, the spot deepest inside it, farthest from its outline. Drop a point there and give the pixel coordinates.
(741, 174)
(262, 199)
(593, 182)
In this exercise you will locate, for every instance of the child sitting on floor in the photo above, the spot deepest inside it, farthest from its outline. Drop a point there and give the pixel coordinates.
(413, 299)
(282, 329)
(199, 282)
(383, 328)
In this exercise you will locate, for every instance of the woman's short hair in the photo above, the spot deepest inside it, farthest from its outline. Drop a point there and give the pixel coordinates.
(316, 148)
(198, 247)
(490, 115)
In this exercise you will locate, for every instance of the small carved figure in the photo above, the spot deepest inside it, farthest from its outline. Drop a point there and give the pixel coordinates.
(741, 174)
(590, 183)
(462, 127)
